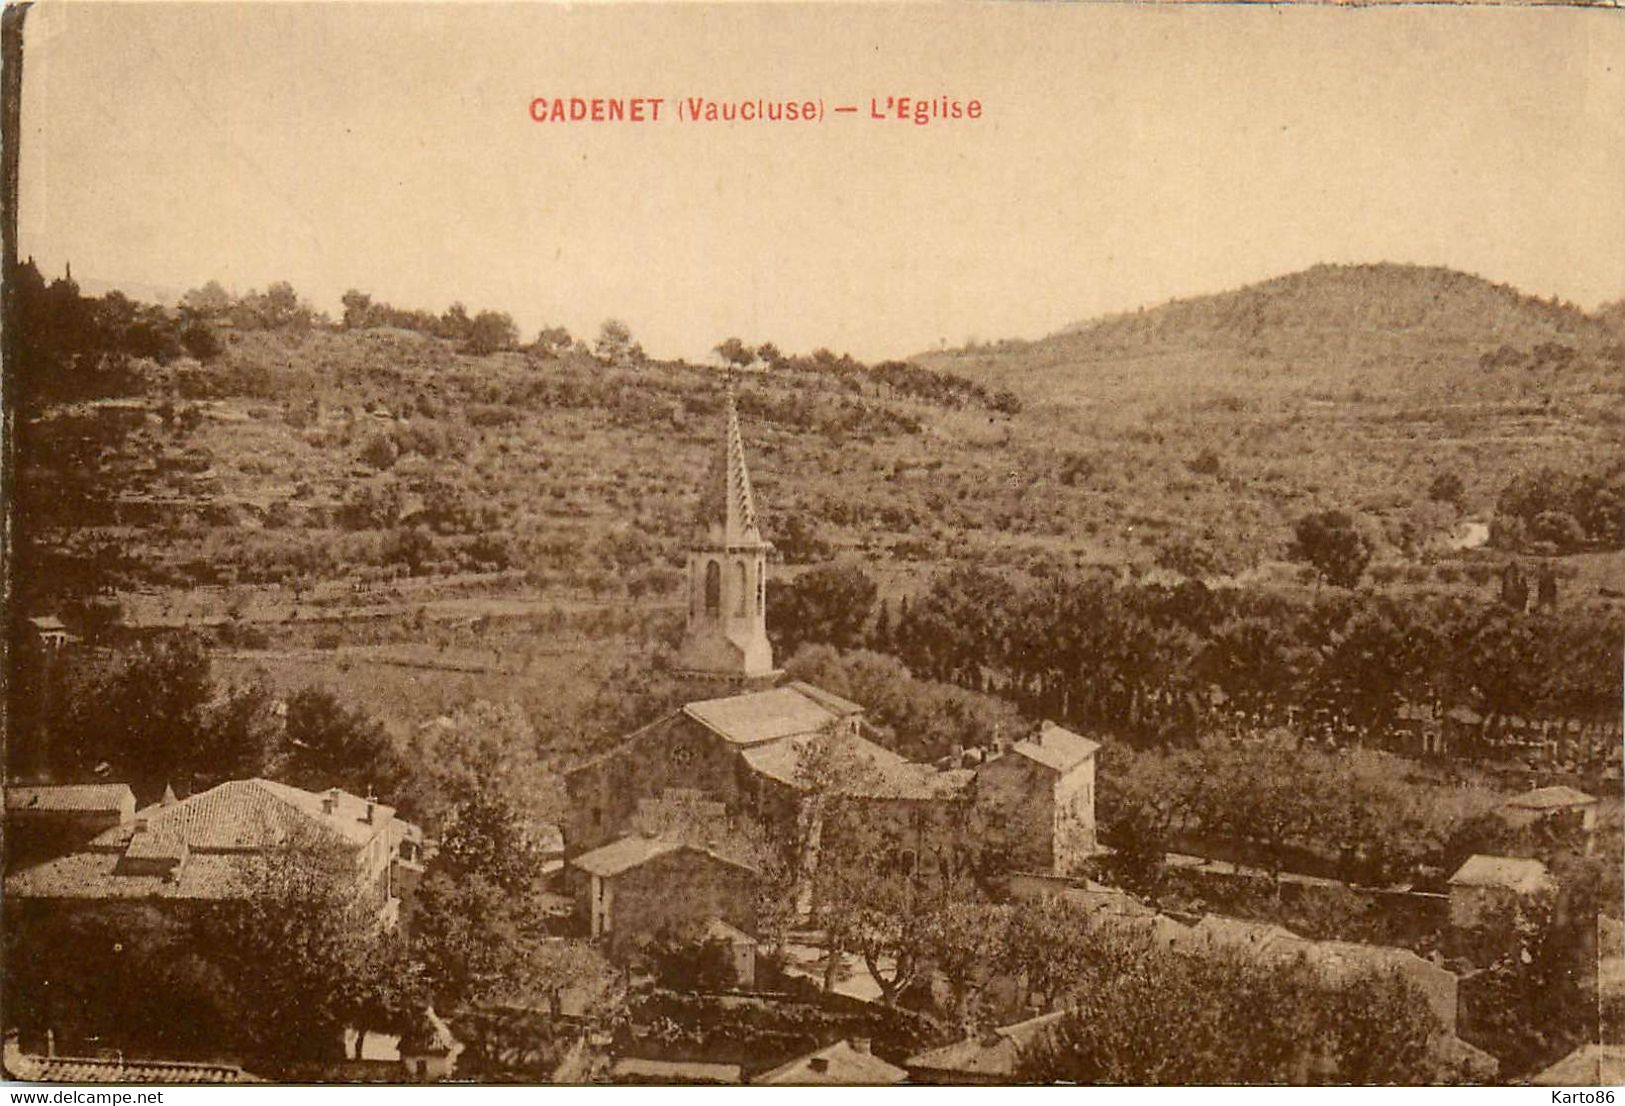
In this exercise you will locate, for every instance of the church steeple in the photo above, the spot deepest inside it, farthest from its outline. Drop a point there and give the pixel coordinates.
(726, 634)
(727, 505)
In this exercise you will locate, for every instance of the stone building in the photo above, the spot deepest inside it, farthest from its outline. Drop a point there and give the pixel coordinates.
(637, 887)
(213, 846)
(747, 749)
(50, 819)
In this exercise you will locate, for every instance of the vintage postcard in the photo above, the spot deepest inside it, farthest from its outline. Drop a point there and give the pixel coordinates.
(788, 544)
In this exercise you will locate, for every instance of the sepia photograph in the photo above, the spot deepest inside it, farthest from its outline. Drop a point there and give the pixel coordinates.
(813, 544)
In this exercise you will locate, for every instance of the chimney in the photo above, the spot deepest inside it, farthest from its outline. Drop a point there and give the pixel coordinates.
(819, 1064)
(330, 801)
(958, 752)
(860, 1044)
(50, 1042)
(169, 796)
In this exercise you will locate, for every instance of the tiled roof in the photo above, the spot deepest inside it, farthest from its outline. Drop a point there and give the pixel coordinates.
(838, 1065)
(760, 716)
(1550, 798)
(986, 1058)
(880, 773)
(623, 855)
(70, 1069)
(80, 797)
(834, 702)
(634, 850)
(1343, 960)
(1217, 931)
(991, 1056)
(718, 930)
(98, 875)
(252, 814)
(1057, 748)
(1512, 872)
(632, 1068)
(1587, 1066)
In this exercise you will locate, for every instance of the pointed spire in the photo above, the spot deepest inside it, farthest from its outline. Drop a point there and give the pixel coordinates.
(169, 796)
(727, 505)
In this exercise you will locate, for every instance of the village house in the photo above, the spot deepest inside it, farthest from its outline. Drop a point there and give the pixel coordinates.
(1485, 887)
(215, 846)
(1590, 1065)
(842, 1064)
(987, 1059)
(47, 820)
(1563, 805)
(638, 887)
(1032, 804)
(31, 1067)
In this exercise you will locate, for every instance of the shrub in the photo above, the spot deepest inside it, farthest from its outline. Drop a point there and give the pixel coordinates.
(380, 451)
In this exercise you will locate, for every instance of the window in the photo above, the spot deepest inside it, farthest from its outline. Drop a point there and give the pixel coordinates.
(713, 589)
(742, 591)
(761, 587)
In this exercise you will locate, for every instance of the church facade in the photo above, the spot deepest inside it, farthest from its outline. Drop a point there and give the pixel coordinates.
(748, 750)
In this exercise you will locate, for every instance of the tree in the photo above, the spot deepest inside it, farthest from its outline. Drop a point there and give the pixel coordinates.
(735, 352)
(829, 604)
(614, 343)
(491, 331)
(552, 341)
(358, 310)
(143, 713)
(303, 952)
(1336, 548)
(1050, 945)
(482, 749)
(769, 354)
(331, 745)
(1153, 1017)
(479, 927)
(200, 341)
(208, 302)
(1447, 487)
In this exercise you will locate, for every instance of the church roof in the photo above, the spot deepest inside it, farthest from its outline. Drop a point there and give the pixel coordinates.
(759, 716)
(727, 513)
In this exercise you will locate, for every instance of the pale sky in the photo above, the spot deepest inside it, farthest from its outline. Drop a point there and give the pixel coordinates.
(1126, 155)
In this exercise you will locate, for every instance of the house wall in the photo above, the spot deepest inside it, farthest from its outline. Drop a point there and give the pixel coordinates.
(1014, 802)
(679, 890)
(1474, 906)
(1073, 830)
(677, 753)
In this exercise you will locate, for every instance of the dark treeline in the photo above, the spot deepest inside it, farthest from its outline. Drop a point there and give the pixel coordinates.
(483, 332)
(1556, 511)
(1147, 661)
(71, 346)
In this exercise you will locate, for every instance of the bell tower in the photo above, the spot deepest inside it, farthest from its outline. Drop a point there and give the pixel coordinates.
(726, 634)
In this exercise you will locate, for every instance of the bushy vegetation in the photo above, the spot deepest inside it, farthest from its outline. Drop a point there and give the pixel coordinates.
(1563, 512)
(1159, 663)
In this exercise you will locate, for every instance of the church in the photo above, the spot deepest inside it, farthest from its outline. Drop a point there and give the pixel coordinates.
(747, 750)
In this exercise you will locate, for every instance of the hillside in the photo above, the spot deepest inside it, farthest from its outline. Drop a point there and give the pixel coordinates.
(1386, 327)
(306, 473)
